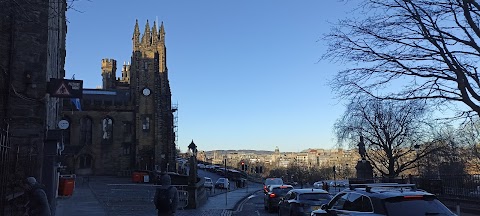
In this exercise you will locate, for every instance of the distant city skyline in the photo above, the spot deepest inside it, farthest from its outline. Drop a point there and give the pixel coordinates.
(245, 74)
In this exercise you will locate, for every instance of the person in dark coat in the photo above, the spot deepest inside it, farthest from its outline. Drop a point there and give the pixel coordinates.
(37, 198)
(166, 183)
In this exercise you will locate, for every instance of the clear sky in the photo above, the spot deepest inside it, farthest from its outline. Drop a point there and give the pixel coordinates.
(245, 73)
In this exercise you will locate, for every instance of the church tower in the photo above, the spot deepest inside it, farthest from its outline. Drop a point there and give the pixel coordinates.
(109, 69)
(150, 88)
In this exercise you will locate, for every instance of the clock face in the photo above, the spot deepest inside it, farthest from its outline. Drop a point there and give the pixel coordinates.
(146, 91)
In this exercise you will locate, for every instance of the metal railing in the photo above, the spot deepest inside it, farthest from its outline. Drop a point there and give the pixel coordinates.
(182, 199)
(461, 186)
(4, 167)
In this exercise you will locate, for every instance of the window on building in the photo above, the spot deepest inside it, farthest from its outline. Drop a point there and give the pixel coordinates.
(86, 131)
(126, 148)
(85, 161)
(146, 123)
(107, 129)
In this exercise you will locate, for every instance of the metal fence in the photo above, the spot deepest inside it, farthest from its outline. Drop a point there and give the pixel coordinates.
(458, 186)
(182, 199)
(4, 167)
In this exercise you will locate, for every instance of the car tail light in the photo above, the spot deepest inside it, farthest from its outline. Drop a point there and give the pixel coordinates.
(413, 197)
(272, 195)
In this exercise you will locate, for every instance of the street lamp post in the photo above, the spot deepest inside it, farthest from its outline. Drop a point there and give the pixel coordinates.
(417, 149)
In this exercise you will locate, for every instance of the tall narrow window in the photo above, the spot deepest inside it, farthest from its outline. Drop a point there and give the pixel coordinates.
(126, 148)
(146, 123)
(107, 129)
(86, 131)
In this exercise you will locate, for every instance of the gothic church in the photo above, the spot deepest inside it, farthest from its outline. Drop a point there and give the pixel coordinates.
(128, 124)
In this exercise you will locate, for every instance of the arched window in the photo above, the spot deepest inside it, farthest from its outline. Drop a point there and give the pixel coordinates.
(107, 129)
(86, 131)
(85, 161)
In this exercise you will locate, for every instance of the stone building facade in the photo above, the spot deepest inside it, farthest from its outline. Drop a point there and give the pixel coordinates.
(129, 123)
(32, 51)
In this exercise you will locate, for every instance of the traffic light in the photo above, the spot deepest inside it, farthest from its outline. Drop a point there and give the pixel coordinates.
(243, 166)
(261, 169)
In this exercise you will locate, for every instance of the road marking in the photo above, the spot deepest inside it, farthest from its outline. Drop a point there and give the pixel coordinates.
(258, 213)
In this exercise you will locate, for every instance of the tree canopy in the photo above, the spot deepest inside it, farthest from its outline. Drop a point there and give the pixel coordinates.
(408, 50)
(396, 133)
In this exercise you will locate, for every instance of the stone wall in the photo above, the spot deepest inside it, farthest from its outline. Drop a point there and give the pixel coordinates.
(109, 158)
(32, 42)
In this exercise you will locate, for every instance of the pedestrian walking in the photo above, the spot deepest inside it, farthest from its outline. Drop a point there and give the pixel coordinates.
(166, 197)
(37, 198)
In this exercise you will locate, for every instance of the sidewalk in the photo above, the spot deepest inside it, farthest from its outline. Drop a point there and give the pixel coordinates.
(85, 202)
(82, 202)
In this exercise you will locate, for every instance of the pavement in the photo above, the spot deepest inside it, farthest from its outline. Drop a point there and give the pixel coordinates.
(119, 197)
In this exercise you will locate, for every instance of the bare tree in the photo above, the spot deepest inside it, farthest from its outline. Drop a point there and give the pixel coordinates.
(469, 135)
(391, 130)
(410, 49)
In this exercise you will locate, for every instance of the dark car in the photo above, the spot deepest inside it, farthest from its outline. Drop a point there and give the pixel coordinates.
(302, 201)
(271, 181)
(384, 199)
(276, 192)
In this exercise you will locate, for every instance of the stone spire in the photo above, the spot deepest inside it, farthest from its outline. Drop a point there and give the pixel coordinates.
(162, 33)
(147, 37)
(154, 33)
(136, 35)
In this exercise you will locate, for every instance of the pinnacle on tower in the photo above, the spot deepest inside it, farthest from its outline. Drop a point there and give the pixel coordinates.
(146, 38)
(154, 33)
(162, 33)
(136, 35)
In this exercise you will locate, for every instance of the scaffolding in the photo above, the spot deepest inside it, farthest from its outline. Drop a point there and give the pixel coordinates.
(175, 135)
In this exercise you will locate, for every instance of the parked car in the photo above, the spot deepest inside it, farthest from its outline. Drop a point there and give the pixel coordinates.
(208, 183)
(201, 166)
(223, 183)
(276, 192)
(318, 184)
(271, 181)
(302, 201)
(383, 199)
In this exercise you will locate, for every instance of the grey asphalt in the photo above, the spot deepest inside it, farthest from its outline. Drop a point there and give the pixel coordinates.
(119, 196)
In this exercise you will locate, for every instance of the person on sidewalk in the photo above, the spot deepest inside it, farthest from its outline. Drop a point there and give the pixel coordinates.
(166, 197)
(37, 198)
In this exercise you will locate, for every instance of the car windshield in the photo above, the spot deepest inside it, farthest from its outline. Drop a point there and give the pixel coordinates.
(281, 191)
(220, 180)
(274, 181)
(415, 206)
(315, 196)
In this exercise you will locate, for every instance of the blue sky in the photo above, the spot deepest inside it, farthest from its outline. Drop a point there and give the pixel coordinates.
(245, 74)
